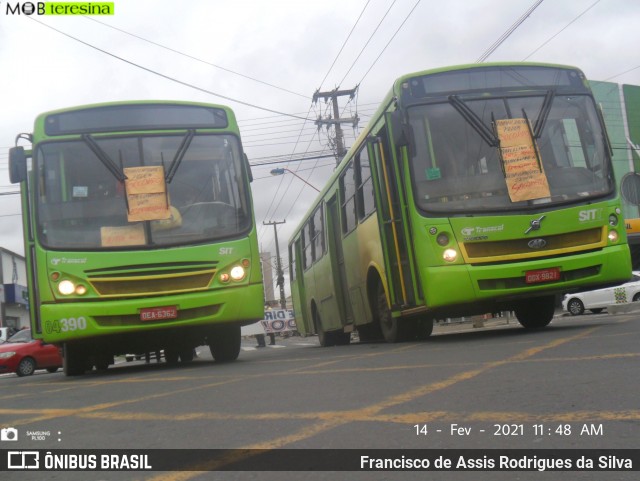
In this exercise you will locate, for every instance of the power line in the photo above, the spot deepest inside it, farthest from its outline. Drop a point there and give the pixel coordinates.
(618, 75)
(509, 31)
(186, 84)
(195, 58)
(344, 43)
(369, 40)
(389, 42)
(561, 30)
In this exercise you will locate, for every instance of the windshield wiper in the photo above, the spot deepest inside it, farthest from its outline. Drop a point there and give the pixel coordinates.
(543, 114)
(104, 158)
(472, 119)
(175, 163)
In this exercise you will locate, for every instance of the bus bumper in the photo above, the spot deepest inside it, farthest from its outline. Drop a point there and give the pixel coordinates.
(70, 321)
(461, 284)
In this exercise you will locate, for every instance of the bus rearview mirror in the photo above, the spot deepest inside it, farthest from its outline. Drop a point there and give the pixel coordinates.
(17, 165)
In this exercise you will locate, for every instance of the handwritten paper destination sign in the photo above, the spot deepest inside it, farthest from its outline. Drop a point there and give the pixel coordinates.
(146, 194)
(525, 176)
(129, 235)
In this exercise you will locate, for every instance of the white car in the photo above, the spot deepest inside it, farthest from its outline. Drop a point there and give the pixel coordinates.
(596, 301)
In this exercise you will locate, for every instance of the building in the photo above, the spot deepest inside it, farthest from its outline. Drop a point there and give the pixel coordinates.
(620, 106)
(14, 306)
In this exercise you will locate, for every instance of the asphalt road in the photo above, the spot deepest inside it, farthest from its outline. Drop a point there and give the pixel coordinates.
(573, 385)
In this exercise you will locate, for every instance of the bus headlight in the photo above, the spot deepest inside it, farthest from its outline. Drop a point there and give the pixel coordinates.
(66, 288)
(237, 273)
(450, 255)
(613, 236)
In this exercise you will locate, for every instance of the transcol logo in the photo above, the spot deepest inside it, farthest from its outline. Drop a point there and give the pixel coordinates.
(58, 8)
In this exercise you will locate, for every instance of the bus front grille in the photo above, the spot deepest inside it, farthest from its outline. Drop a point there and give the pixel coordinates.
(128, 283)
(492, 251)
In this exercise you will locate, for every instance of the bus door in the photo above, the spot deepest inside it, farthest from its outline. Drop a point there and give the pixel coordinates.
(339, 269)
(296, 278)
(393, 224)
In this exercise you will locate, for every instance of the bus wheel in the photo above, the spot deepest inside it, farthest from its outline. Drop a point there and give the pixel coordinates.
(224, 343)
(424, 328)
(370, 332)
(74, 360)
(535, 313)
(103, 362)
(186, 354)
(325, 338)
(342, 338)
(389, 326)
(171, 355)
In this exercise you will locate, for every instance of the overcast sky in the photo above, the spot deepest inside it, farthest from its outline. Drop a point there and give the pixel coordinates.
(273, 55)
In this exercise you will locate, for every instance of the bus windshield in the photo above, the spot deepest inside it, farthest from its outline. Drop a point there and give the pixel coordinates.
(81, 203)
(456, 164)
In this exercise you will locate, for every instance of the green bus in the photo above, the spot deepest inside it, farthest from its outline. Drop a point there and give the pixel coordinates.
(139, 231)
(474, 189)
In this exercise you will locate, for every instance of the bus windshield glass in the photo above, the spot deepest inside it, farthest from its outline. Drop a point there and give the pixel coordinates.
(82, 204)
(457, 164)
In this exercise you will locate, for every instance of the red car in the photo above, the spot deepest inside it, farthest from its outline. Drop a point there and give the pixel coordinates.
(23, 355)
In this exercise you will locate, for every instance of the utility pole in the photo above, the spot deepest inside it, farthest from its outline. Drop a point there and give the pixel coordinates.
(336, 121)
(280, 274)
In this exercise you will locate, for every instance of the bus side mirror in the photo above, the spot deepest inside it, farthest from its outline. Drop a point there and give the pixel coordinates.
(246, 161)
(17, 165)
(402, 132)
(630, 188)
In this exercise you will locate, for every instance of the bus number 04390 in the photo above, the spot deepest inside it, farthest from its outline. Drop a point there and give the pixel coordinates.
(66, 325)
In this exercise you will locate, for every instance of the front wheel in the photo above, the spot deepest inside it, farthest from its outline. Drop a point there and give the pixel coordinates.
(535, 313)
(26, 367)
(224, 343)
(74, 360)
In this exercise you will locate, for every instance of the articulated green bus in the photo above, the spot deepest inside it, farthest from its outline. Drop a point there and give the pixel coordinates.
(139, 231)
(473, 189)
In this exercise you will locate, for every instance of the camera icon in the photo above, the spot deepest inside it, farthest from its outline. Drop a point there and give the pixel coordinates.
(8, 434)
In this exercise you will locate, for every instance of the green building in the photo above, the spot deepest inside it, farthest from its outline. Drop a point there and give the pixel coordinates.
(621, 109)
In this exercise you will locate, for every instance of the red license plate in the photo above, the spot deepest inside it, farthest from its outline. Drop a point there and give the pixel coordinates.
(158, 313)
(542, 275)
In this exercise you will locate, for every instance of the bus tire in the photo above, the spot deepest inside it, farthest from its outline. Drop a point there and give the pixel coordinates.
(224, 343)
(325, 338)
(74, 360)
(186, 354)
(171, 355)
(390, 326)
(535, 313)
(370, 332)
(424, 328)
